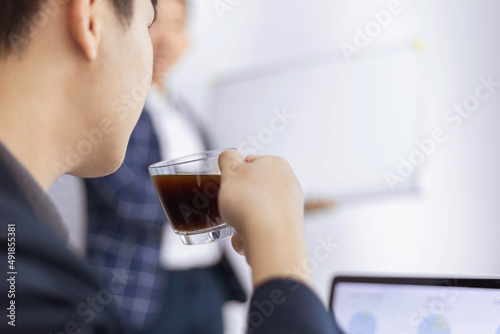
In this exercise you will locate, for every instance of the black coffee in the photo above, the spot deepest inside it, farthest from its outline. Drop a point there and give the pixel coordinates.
(190, 201)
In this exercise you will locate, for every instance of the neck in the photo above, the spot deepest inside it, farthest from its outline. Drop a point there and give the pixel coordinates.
(29, 112)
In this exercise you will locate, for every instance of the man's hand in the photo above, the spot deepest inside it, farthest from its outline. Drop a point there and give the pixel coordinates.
(262, 199)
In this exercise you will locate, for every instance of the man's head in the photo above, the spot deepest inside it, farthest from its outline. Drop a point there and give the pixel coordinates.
(169, 35)
(17, 17)
(91, 62)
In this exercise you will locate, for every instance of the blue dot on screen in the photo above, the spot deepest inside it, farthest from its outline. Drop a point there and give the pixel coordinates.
(435, 324)
(362, 323)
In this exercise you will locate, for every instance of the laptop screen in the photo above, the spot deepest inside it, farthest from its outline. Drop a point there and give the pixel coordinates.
(416, 306)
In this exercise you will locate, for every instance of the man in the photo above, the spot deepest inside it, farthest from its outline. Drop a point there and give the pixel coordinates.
(126, 218)
(72, 89)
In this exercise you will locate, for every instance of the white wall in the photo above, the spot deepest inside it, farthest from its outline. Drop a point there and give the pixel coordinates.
(453, 225)
(461, 200)
(258, 31)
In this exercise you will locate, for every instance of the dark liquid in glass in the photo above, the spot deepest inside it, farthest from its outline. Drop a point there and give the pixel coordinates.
(190, 201)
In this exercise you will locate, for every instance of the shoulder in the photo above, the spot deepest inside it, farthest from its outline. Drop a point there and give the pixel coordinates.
(50, 286)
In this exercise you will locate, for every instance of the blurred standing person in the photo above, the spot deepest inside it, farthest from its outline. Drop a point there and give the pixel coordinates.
(165, 281)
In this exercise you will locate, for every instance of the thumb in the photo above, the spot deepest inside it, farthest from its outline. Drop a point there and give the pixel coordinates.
(230, 162)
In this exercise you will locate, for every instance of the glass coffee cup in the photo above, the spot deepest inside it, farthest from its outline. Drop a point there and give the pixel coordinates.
(188, 189)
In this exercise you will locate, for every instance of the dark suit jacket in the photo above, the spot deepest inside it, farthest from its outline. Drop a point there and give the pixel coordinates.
(55, 291)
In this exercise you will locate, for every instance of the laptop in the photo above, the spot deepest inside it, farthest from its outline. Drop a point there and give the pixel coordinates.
(397, 305)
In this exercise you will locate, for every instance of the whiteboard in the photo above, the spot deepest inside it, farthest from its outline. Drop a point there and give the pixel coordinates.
(353, 120)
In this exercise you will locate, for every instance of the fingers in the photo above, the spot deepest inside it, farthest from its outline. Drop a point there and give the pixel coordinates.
(232, 159)
(229, 160)
(238, 244)
(252, 158)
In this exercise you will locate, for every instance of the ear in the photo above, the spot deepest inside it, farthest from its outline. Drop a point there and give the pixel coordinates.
(85, 26)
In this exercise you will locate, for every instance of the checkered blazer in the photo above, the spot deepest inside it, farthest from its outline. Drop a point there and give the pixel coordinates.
(125, 229)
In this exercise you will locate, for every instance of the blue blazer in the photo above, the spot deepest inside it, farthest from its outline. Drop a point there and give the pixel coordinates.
(125, 220)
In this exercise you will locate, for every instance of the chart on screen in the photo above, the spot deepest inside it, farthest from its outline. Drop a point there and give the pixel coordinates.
(374, 308)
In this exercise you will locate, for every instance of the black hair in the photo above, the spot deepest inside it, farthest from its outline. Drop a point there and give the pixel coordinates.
(19, 19)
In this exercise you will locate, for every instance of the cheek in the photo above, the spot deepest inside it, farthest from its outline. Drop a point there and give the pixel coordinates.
(141, 65)
(127, 66)
(148, 49)
(133, 83)
(116, 95)
(144, 53)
